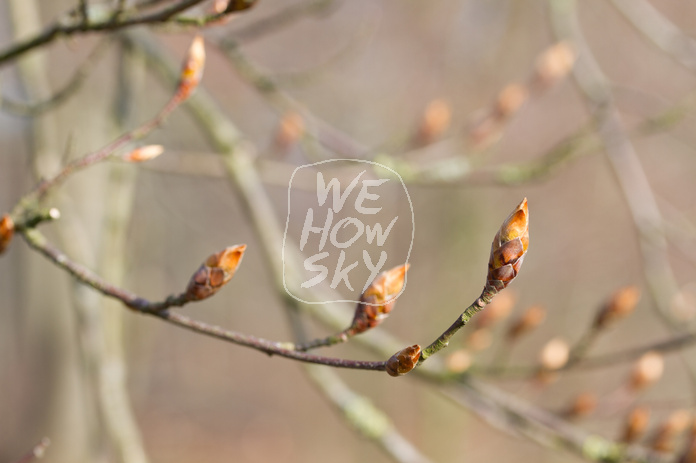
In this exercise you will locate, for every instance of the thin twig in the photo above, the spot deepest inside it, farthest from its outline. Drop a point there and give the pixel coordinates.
(75, 82)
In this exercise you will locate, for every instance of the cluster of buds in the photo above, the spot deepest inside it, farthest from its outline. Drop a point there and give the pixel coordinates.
(378, 299)
(403, 361)
(6, 232)
(508, 249)
(214, 273)
(144, 153)
(635, 425)
(618, 306)
(192, 69)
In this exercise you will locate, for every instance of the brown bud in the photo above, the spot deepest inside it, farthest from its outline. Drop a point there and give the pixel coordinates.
(215, 272)
(584, 404)
(6, 232)
(509, 248)
(555, 63)
(458, 361)
(435, 121)
(192, 69)
(290, 130)
(144, 153)
(510, 99)
(619, 305)
(676, 423)
(647, 370)
(530, 319)
(554, 355)
(636, 424)
(403, 361)
(379, 299)
(498, 309)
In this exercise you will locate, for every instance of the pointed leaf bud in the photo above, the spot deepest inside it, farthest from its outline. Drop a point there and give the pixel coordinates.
(403, 361)
(647, 370)
(379, 299)
(636, 424)
(214, 273)
(508, 249)
(530, 319)
(192, 69)
(619, 305)
(144, 153)
(6, 232)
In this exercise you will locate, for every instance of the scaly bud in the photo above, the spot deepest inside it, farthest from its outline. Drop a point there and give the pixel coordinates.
(555, 354)
(214, 273)
(636, 424)
(619, 305)
(192, 69)
(403, 361)
(379, 299)
(647, 370)
(6, 232)
(508, 249)
(144, 153)
(555, 63)
(530, 319)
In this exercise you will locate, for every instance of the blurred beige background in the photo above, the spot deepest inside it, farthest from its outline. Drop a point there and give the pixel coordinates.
(368, 68)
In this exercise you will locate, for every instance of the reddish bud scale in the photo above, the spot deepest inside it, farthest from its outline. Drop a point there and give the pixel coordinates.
(214, 273)
(379, 299)
(6, 232)
(509, 248)
(192, 69)
(403, 361)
